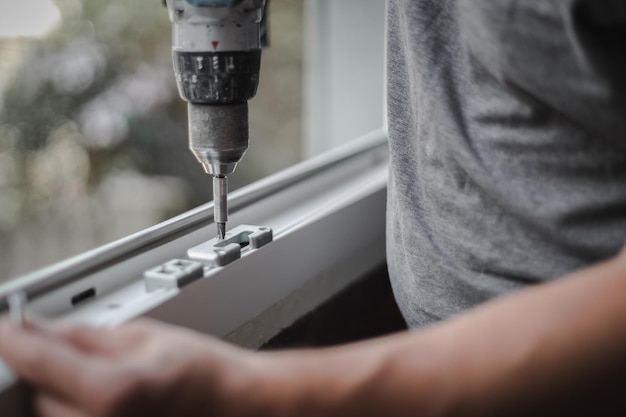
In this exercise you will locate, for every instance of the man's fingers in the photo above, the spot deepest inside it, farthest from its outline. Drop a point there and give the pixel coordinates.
(88, 339)
(46, 361)
(102, 340)
(49, 406)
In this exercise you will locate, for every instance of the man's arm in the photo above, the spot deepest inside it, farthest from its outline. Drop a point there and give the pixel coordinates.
(556, 349)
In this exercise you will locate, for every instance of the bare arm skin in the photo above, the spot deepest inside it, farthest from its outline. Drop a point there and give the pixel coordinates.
(556, 349)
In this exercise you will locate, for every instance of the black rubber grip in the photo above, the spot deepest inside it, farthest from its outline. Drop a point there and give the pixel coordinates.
(217, 77)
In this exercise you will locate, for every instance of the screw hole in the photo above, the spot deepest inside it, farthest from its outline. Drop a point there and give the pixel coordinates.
(83, 296)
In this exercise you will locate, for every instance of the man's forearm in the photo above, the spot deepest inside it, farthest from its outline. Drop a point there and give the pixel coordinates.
(556, 349)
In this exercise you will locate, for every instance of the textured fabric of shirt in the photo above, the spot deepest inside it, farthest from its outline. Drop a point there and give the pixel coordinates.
(507, 124)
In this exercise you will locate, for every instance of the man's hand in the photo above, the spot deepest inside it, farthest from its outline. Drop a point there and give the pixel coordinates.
(556, 349)
(140, 369)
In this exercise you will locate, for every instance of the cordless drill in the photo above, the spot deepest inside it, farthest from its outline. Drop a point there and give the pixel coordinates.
(216, 47)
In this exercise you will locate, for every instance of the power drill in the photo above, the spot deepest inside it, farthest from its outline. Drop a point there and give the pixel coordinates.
(216, 48)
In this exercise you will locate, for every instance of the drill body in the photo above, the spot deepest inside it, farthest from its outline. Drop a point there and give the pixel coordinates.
(216, 50)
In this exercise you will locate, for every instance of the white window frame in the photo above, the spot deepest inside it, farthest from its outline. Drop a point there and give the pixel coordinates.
(327, 213)
(344, 70)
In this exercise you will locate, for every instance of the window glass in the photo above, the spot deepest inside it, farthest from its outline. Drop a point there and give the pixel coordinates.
(92, 131)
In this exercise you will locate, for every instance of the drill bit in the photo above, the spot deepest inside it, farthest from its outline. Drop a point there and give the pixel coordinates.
(220, 203)
(221, 230)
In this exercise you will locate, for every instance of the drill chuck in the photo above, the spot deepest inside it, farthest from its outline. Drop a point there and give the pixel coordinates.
(218, 135)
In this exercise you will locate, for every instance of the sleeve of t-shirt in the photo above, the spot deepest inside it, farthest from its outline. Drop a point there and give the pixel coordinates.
(568, 54)
(598, 28)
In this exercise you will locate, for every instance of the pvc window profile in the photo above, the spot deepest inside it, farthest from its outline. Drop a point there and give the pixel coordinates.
(328, 218)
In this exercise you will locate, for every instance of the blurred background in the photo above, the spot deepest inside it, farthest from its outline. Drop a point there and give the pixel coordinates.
(93, 134)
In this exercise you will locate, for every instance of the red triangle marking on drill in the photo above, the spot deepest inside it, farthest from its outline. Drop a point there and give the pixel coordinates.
(215, 44)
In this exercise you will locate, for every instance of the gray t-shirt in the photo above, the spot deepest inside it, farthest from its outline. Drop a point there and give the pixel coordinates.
(508, 146)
